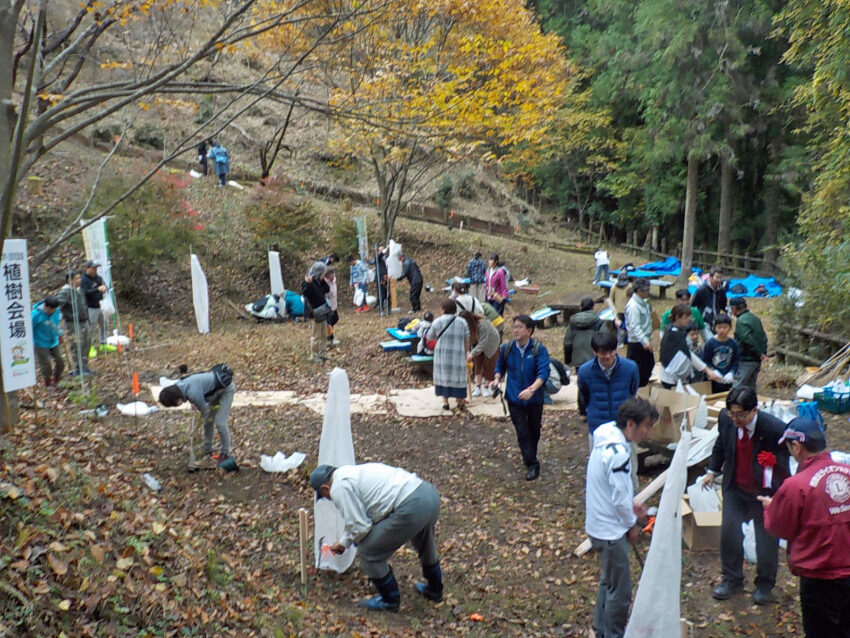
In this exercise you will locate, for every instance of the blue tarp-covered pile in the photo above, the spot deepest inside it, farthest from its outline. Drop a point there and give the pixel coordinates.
(749, 286)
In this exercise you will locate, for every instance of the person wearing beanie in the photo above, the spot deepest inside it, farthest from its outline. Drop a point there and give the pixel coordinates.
(384, 507)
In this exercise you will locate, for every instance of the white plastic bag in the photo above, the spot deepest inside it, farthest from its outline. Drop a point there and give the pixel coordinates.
(359, 297)
(749, 530)
(702, 500)
(106, 306)
(280, 462)
(136, 408)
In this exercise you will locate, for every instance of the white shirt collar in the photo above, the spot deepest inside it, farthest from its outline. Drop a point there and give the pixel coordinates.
(750, 427)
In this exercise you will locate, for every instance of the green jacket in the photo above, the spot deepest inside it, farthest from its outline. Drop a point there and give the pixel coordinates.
(696, 317)
(750, 336)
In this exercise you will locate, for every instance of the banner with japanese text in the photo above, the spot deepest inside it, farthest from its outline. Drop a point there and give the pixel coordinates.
(97, 250)
(16, 339)
(362, 239)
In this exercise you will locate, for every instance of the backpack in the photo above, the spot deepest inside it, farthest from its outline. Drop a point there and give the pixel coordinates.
(559, 376)
(223, 375)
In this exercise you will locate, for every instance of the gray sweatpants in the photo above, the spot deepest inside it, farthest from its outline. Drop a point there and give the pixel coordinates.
(413, 520)
(615, 588)
(79, 348)
(98, 325)
(218, 417)
(747, 375)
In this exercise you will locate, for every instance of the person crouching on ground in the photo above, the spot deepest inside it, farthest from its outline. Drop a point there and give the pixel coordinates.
(384, 507)
(211, 393)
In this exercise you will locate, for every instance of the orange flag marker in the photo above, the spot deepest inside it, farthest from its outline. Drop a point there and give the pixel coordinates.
(136, 383)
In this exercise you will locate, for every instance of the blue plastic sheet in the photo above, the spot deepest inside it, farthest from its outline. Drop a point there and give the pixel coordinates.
(750, 283)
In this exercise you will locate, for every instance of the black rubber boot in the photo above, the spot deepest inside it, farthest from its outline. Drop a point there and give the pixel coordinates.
(388, 595)
(433, 588)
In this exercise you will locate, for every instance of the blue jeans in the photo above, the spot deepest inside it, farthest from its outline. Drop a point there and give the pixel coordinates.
(601, 273)
(221, 179)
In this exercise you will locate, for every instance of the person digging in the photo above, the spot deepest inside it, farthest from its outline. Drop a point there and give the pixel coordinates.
(211, 393)
(383, 508)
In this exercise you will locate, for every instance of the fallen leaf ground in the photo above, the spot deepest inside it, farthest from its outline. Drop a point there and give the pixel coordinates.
(88, 550)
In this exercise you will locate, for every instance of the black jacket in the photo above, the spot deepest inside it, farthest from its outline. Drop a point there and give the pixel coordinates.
(89, 285)
(314, 292)
(767, 433)
(411, 270)
(702, 301)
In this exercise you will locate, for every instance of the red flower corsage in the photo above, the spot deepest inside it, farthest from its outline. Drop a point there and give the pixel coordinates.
(768, 461)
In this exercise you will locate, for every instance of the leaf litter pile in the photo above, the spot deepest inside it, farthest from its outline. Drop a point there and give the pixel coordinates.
(88, 549)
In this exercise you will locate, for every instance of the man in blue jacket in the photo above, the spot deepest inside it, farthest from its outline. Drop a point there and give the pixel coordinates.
(605, 382)
(526, 362)
(46, 333)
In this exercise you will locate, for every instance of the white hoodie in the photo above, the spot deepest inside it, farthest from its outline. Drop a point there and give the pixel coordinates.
(610, 493)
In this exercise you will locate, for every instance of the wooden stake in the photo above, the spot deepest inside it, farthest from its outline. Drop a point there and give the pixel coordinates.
(302, 534)
(393, 302)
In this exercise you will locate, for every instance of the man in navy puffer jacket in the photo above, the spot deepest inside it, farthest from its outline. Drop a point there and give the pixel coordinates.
(605, 381)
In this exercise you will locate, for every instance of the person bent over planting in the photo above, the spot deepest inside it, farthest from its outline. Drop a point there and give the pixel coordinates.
(212, 395)
(383, 508)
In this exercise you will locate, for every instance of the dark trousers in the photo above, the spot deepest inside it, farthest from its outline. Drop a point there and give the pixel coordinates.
(526, 420)
(498, 306)
(644, 359)
(739, 507)
(415, 291)
(826, 607)
(615, 588)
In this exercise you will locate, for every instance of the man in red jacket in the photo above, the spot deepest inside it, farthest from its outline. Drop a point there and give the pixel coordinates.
(811, 510)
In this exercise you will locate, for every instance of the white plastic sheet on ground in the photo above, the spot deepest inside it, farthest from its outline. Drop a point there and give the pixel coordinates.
(656, 610)
(336, 448)
(136, 408)
(200, 296)
(280, 462)
(275, 276)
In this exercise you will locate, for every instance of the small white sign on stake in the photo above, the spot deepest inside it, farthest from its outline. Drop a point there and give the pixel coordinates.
(16, 339)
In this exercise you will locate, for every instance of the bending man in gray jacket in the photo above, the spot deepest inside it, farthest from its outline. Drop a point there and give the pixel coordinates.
(212, 395)
(383, 508)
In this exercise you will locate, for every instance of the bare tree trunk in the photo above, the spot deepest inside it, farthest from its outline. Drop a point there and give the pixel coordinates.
(724, 227)
(690, 221)
(771, 235)
(655, 237)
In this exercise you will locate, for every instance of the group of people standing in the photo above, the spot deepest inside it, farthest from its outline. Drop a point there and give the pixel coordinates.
(78, 304)
(213, 151)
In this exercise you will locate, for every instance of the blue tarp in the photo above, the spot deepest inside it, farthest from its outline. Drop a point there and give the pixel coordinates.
(670, 266)
(639, 272)
(750, 282)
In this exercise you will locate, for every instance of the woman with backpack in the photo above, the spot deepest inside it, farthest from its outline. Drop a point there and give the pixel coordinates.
(448, 337)
(496, 286)
(485, 340)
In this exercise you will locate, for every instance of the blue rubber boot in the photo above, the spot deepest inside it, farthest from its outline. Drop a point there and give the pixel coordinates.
(388, 595)
(433, 588)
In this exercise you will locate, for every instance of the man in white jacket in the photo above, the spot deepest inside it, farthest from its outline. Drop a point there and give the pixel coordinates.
(611, 518)
(383, 508)
(639, 329)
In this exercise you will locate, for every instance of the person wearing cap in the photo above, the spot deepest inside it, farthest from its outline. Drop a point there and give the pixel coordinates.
(752, 344)
(811, 510)
(46, 336)
(384, 507)
(753, 463)
(94, 288)
(72, 304)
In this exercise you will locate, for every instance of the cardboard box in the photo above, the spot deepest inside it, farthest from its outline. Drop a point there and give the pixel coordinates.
(701, 530)
(671, 405)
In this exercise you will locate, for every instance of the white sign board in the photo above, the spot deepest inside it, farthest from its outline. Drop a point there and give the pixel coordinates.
(200, 296)
(97, 250)
(16, 339)
(274, 273)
